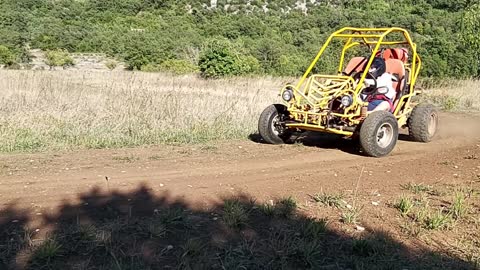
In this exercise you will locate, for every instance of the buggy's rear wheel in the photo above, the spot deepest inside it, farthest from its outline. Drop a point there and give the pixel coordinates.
(379, 134)
(423, 122)
(271, 125)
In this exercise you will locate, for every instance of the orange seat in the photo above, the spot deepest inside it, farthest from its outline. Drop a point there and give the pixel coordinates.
(397, 69)
(357, 64)
(394, 53)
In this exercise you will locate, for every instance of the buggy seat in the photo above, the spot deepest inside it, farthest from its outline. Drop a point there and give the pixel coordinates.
(397, 69)
(394, 66)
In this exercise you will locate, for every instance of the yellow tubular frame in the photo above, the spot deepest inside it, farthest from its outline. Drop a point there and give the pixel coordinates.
(368, 36)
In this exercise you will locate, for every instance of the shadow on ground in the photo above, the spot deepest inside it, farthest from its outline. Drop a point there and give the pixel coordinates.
(139, 230)
(319, 140)
(328, 141)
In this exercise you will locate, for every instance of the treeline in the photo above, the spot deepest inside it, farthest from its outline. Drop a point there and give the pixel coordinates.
(277, 37)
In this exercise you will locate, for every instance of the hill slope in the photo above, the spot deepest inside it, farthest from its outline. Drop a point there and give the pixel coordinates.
(273, 37)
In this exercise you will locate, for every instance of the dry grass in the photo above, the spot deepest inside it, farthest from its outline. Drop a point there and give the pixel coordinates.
(89, 109)
(456, 95)
(70, 109)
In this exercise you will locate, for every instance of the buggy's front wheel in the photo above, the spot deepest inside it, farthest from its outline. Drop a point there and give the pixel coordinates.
(379, 134)
(271, 125)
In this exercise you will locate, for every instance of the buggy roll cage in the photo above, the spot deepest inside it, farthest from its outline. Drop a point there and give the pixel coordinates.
(317, 94)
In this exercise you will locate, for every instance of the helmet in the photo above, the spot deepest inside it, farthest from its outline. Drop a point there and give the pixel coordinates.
(378, 67)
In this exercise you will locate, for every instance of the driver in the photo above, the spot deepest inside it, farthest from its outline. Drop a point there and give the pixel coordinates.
(382, 97)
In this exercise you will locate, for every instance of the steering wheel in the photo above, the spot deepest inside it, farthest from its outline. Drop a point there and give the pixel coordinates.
(370, 90)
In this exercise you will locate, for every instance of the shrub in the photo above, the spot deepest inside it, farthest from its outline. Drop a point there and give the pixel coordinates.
(59, 58)
(290, 65)
(221, 58)
(7, 57)
(150, 68)
(111, 64)
(178, 66)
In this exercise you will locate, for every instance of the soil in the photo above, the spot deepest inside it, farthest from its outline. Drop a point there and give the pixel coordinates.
(91, 185)
(203, 174)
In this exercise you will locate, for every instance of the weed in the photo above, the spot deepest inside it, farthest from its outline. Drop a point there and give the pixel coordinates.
(191, 252)
(237, 257)
(48, 250)
(412, 228)
(312, 228)
(156, 230)
(417, 188)
(27, 239)
(421, 214)
(468, 192)
(458, 208)
(405, 205)
(333, 200)
(438, 220)
(286, 207)
(172, 217)
(350, 215)
(267, 209)
(234, 214)
(363, 247)
(85, 233)
(308, 252)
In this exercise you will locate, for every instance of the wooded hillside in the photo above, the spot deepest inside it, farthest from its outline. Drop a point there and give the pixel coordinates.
(278, 37)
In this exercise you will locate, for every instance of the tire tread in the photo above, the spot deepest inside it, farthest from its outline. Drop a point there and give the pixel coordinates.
(418, 122)
(368, 132)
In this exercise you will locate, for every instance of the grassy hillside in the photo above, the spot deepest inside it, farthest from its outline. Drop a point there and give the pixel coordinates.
(275, 37)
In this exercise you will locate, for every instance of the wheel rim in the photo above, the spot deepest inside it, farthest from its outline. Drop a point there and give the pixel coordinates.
(276, 125)
(432, 124)
(385, 135)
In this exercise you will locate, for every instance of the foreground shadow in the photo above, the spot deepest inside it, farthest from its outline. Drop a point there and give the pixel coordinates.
(139, 230)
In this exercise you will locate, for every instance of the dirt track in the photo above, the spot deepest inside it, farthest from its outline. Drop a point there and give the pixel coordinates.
(201, 174)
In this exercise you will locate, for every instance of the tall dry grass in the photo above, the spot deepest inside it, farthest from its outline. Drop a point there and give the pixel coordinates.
(455, 95)
(69, 109)
(81, 109)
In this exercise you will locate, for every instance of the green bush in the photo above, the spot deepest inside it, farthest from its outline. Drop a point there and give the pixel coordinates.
(111, 64)
(290, 65)
(59, 58)
(7, 57)
(178, 66)
(150, 68)
(250, 64)
(145, 49)
(221, 58)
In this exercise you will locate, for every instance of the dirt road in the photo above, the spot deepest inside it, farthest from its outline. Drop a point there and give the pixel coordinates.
(205, 173)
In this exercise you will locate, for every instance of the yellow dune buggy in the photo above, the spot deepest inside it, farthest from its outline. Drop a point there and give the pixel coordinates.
(336, 103)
